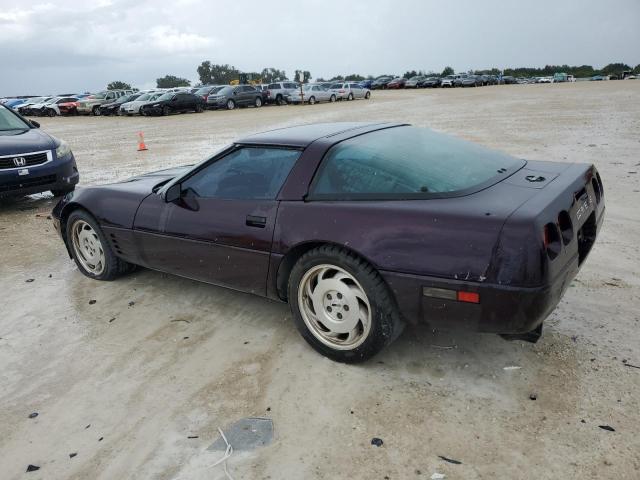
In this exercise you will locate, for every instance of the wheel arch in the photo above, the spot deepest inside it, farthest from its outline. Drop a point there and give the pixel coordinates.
(293, 255)
(67, 210)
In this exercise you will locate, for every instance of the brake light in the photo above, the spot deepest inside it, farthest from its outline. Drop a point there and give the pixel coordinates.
(546, 236)
(341, 91)
(469, 297)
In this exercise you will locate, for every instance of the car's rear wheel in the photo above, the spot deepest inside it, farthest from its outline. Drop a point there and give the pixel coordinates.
(312, 100)
(198, 108)
(332, 99)
(90, 249)
(341, 305)
(96, 111)
(165, 110)
(51, 112)
(367, 95)
(279, 100)
(258, 102)
(350, 97)
(231, 104)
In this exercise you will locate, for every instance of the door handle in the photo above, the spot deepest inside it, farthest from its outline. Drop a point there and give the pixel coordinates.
(254, 221)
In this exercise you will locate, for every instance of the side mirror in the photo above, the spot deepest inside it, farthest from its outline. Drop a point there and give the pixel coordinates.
(173, 193)
(34, 124)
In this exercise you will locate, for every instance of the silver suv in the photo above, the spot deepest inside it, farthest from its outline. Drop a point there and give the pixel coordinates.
(280, 92)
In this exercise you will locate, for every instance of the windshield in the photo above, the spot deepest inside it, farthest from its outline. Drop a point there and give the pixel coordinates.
(203, 91)
(166, 96)
(408, 161)
(99, 96)
(10, 121)
(144, 96)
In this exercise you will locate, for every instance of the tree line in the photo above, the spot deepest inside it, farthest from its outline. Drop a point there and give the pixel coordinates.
(222, 74)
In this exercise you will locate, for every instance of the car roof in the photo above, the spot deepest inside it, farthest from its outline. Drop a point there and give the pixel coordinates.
(304, 135)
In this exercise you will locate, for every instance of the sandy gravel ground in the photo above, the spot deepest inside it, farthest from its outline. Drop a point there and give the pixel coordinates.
(123, 382)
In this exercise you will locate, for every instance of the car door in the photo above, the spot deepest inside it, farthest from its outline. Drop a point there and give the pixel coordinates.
(221, 228)
(357, 90)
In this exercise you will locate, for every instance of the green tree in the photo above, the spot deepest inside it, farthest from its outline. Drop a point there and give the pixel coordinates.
(447, 71)
(409, 74)
(354, 77)
(615, 69)
(118, 85)
(637, 69)
(211, 73)
(306, 76)
(171, 81)
(270, 75)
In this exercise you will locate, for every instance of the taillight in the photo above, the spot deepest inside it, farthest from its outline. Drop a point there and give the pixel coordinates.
(268, 93)
(551, 240)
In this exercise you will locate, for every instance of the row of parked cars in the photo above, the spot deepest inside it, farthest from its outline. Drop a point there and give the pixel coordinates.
(165, 102)
(423, 81)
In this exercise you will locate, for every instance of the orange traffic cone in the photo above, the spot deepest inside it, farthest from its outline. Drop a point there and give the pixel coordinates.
(141, 145)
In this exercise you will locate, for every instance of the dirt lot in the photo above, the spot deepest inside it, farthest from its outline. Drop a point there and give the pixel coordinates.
(125, 380)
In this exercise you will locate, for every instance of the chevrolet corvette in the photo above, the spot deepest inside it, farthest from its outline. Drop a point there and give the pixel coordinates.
(360, 227)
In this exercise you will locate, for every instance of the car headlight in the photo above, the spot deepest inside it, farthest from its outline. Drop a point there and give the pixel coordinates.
(63, 149)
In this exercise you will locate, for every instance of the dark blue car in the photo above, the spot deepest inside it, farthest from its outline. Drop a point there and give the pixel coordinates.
(32, 161)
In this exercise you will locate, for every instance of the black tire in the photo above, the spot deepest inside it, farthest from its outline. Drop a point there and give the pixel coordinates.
(386, 322)
(350, 97)
(165, 111)
(367, 95)
(96, 111)
(63, 191)
(258, 102)
(231, 104)
(51, 112)
(332, 99)
(114, 266)
(198, 108)
(312, 100)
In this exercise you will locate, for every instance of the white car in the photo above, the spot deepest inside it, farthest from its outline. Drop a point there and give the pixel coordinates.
(545, 80)
(50, 107)
(25, 108)
(312, 94)
(135, 107)
(350, 91)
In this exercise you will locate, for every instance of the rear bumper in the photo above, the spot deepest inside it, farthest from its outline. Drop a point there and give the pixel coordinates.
(501, 308)
(61, 174)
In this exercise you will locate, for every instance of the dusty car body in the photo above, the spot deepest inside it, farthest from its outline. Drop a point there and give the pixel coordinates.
(360, 227)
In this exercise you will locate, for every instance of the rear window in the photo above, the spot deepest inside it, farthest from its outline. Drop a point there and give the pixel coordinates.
(408, 162)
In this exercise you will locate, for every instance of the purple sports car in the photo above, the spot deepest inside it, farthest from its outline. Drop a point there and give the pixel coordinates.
(360, 227)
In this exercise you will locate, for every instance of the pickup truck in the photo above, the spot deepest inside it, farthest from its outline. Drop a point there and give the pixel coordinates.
(91, 104)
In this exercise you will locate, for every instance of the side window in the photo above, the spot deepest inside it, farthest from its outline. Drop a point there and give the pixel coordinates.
(249, 173)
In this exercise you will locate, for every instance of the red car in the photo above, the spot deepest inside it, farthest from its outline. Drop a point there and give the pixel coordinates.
(397, 83)
(69, 108)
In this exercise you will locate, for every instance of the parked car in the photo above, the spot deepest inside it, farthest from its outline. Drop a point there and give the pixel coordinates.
(350, 91)
(263, 88)
(398, 207)
(91, 104)
(205, 91)
(113, 108)
(381, 83)
(447, 82)
(68, 108)
(544, 80)
(431, 82)
(492, 80)
(457, 82)
(135, 107)
(597, 78)
(312, 94)
(397, 83)
(174, 102)
(14, 102)
(32, 161)
(51, 107)
(415, 82)
(25, 108)
(471, 81)
(232, 96)
(278, 92)
(366, 84)
(508, 80)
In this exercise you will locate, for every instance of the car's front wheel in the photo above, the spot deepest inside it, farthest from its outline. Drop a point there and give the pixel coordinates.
(341, 305)
(165, 110)
(96, 111)
(90, 249)
(367, 95)
(258, 102)
(231, 104)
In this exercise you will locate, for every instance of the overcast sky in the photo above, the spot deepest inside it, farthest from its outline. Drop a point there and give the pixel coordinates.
(72, 46)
